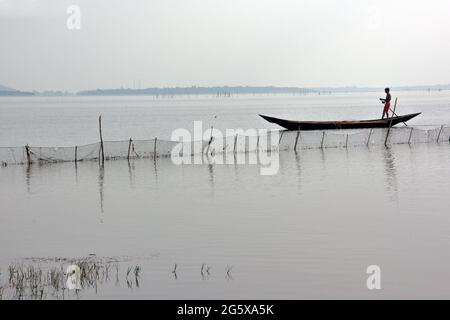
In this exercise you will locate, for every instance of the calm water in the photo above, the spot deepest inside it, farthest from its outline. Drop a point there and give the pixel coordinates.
(69, 121)
(309, 231)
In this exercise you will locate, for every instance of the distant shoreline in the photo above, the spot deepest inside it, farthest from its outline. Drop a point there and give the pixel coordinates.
(219, 91)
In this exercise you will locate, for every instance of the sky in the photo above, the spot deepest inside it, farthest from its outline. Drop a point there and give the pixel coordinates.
(165, 43)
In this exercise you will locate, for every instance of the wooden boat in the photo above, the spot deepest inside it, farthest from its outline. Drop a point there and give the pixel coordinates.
(345, 124)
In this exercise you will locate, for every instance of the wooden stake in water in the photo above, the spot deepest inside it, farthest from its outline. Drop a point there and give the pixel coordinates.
(439, 135)
(235, 142)
(76, 152)
(101, 138)
(210, 141)
(296, 139)
(323, 137)
(387, 134)
(346, 141)
(368, 139)
(27, 150)
(281, 136)
(154, 148)
(129, 149)
(410, 135)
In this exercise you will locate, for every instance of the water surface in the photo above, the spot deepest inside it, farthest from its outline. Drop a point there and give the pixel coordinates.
(309, 231)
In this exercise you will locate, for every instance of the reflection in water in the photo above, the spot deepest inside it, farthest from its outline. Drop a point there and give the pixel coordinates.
(236, 169)
(131, 174)
(323, 159)
(76, 172)
(347, 160)
(155, 167)
(391, 174)
(48, 278)
(298, 165)
(211, 175)
(101, 182)
(209, 161)
(310, 232)
(28, 177)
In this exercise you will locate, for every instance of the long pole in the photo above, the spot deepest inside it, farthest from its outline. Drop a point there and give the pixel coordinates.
(439, 135)
(410, 135)
(393, 111)
(129, 148)
(296, 139)
(387, 134)
(101, 137)
(281, 137)
(390, 124)
(27, 149)
(210, 140)
(368, 139)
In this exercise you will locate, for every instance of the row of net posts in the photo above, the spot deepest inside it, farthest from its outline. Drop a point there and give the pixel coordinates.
(131, 148)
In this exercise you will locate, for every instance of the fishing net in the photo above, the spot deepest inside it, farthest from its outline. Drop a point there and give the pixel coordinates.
(272, 140)
(61, 154)
(14, 155)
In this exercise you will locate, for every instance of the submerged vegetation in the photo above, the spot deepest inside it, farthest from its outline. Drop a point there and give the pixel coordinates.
(48, 278)
(63, 278)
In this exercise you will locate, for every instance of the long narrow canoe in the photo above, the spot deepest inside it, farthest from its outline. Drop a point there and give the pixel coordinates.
(345, 124)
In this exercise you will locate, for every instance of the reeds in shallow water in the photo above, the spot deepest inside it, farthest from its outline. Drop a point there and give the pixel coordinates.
(48, 278)
(37, 282)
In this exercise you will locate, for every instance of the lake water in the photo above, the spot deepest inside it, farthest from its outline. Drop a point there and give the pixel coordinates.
(309, 231)
(68, 121)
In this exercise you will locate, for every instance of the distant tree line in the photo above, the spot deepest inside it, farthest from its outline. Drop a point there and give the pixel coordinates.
(220, 91)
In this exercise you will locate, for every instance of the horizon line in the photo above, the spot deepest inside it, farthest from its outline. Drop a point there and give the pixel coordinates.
(191, 87)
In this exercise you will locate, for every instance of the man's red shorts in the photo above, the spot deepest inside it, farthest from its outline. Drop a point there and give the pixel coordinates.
(387, 106)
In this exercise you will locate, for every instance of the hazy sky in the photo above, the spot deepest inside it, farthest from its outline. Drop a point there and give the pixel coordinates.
(224, 42)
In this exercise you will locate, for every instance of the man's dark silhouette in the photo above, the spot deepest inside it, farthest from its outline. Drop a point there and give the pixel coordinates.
(387, 103)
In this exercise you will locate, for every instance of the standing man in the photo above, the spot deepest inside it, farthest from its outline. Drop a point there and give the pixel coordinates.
(387, 103)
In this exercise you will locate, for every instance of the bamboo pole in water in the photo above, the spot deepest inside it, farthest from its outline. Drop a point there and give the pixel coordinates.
(210, 140)
(76, 154)
(346, 141)
(281, 136)
(368, 139)
(387, 134)
(101, 138)
(395, 106)
(129, 149)
(154, 148)
(410, 135)
(27, 150)
(235, 142)
(323, 137)
(439, 135)
(296, 139)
